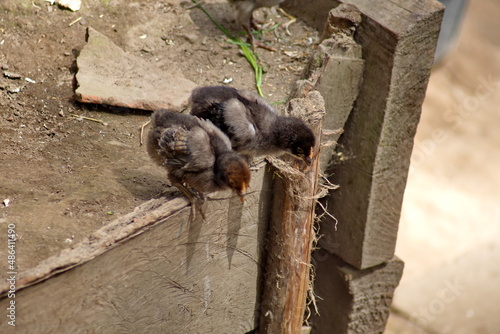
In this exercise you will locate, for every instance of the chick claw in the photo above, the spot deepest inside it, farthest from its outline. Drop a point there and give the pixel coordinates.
(196, 200)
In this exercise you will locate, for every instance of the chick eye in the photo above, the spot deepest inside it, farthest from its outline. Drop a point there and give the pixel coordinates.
(300, 150)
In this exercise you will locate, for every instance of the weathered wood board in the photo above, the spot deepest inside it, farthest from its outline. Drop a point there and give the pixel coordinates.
(336, 71)
(291, 231)
(128, 278)
(353, 300)
(398, 39)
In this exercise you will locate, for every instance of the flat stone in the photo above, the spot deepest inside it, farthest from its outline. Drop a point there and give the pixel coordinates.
(108, 75)
(72, 5)
(11, 75)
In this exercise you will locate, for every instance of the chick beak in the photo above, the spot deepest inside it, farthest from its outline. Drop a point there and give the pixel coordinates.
(308, 160)
(242, 192)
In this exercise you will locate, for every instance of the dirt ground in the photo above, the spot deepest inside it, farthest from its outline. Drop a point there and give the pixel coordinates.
(65, 177)
(449, 229)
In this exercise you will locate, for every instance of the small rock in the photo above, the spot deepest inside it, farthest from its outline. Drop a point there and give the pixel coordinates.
(11, 75)
(13, 89)
(190, 37)
(61, 113)
(167, 40)
(72, 5)
(5, 67)
(6, 202)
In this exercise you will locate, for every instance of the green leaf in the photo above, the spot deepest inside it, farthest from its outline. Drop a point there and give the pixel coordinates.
(250, 55)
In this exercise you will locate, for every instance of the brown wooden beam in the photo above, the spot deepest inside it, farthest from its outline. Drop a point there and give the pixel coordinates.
(291, 231)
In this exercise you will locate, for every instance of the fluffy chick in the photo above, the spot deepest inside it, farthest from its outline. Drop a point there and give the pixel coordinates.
(251, 123)
(197, 155)
(244, 14)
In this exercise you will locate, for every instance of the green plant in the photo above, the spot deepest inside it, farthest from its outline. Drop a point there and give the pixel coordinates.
(246, 48)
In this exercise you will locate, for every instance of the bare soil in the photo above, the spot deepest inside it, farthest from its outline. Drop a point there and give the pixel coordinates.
(66, 176)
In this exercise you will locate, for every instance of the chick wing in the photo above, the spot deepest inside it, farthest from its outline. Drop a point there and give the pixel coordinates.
(188, 150)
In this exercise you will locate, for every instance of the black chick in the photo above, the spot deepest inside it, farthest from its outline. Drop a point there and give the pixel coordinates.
(244, 14)
(197, 155)
(251, 123)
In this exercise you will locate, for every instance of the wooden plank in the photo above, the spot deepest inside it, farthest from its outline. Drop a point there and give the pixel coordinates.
(106, 238)
(140, 275)
(314, 13)
(398, 40)
(361, 297)
(291, 231)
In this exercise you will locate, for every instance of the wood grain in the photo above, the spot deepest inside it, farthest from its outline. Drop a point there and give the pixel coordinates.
(141, 274)
(291, 233)
(398, 39)
(352, 300)
(336, 71)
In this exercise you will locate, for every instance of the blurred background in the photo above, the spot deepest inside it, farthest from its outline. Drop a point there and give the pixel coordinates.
(449, 234)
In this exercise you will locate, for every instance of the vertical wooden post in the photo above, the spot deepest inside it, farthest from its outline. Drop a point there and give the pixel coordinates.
(352, 300)
(336, 71)
(398, 40)
(291, 232)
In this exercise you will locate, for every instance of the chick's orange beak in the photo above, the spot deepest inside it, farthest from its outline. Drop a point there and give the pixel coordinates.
(242, 193)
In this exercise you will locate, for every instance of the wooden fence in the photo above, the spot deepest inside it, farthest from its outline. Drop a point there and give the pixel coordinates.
(248, 267)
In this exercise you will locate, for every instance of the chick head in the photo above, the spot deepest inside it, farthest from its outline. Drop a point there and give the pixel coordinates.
(235, 173)
(302, 141)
